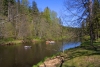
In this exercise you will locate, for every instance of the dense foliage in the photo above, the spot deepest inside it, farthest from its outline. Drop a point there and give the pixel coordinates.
(19, 20)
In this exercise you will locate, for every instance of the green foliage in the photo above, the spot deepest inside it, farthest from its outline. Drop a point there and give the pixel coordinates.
(95, 24)
(5, 40)
(37, 64)
(83, 61)
(26, 22)
(46, 14)
(2, 41)
(83, 56)
(9, 39)
(86, 38)
(5, 6)
(34, 8)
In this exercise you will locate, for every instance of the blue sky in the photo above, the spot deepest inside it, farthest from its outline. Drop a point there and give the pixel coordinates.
(55, 5)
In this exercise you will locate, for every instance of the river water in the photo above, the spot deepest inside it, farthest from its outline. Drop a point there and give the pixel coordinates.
(29, 54)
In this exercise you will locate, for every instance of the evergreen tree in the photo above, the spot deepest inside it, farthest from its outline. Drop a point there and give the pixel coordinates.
(5, 7)
(6, 4)
(47, 14)
(96, 19)
(34, 8)
(1, 6)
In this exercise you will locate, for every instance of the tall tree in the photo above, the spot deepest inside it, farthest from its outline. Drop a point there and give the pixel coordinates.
(96, 18)
(46, 14)
(10, 8)
(36, 18)
(82, 9)
(34, 8)
(5, 7)
(18, 6)
(1, 6)
(90, 21)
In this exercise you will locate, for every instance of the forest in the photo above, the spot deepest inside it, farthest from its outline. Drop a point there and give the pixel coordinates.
(20, 20)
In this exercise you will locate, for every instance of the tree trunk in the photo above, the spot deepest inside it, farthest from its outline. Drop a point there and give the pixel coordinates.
(8, 11)
(91, 23)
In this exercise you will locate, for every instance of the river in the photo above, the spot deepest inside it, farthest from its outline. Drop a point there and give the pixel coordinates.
(29, 54)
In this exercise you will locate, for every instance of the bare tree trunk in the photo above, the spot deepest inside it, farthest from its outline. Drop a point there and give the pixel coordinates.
(18, 7)
(90, 21)
(8, 11)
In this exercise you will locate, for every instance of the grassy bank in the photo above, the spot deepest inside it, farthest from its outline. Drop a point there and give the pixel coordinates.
(82, 56)
(17, 41)
(45, 59)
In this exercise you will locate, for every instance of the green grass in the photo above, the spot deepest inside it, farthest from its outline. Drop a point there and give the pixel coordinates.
(6, 40)
(80, 57)
(83, 61)
(46, 58)
(83, 56)
(37, 64)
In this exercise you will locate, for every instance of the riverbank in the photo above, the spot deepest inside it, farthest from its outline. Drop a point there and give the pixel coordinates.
(11, 42)
(83, 56)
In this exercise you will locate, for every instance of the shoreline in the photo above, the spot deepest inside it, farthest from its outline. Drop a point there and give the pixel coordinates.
(13, 41)
(20, 41)
(83, 52)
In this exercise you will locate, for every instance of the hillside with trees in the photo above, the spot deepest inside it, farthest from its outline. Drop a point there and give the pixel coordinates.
(19, 20)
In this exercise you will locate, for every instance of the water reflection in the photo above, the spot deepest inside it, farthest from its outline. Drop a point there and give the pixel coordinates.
(25, 55)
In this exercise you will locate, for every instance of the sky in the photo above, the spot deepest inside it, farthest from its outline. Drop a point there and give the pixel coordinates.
(55, 5)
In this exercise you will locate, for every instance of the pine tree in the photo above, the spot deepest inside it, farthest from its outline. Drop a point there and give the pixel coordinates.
(47, 14)
(96, 19)
(34, 8)
(1, 6)
(6, 5)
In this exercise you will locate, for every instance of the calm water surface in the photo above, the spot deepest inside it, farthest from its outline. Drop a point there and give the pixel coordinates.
(21, 56)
